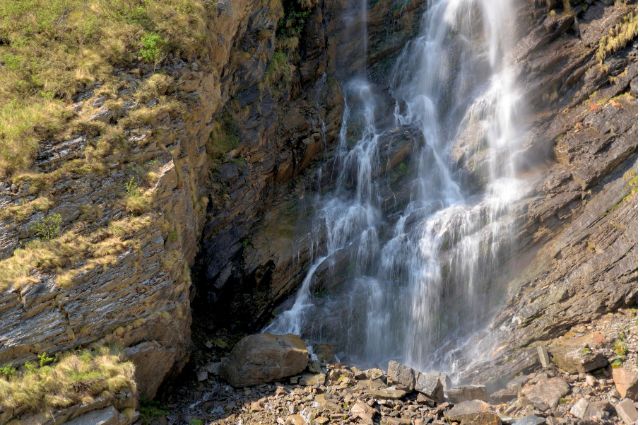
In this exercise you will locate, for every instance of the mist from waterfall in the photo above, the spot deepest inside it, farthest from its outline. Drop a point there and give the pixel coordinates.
(418, 283)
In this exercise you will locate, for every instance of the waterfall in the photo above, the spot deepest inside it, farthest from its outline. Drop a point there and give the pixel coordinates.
(416, 284)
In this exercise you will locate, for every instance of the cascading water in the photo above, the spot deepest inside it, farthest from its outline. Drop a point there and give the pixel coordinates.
(415, 284)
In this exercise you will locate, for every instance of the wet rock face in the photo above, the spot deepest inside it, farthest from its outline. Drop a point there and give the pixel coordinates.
(255, 247)
(578, 253)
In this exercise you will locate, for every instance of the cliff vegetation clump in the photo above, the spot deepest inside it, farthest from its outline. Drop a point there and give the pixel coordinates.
(75, 378)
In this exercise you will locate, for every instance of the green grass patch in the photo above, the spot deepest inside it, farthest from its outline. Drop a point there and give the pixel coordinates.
(75, 378)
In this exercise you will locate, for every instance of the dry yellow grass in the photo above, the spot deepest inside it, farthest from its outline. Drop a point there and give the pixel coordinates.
(51, 49)
(76, 377)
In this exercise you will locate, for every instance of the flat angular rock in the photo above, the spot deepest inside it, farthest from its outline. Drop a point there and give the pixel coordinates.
(579, 409)
(309, 379)
(626, 381)
(262, 358)
(399, 374)
(577, 355)
(546, 393)
(466, 393)
(108, 416)
(504, 395)
(529, 420)
(598, 411)
(430, 384)
(388, 393)
(473, 412)
(363, 411)
(627, 411)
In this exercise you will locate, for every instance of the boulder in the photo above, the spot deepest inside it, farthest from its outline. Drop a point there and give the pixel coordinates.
(262, 358)
(627, 411)
(578, 354)
(399, 374)
(473, 412)
(466, 393)
(626, 381)
(430, 385)
(363, 411)
(546, 393)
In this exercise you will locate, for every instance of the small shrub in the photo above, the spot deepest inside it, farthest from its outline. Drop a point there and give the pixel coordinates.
(45, 360)
(196, 421)
(49, 227)
(152, 50)
(616, 362)
(150, 410)
(135, 201)
(7, 371)
(620, 347)
(279, 70)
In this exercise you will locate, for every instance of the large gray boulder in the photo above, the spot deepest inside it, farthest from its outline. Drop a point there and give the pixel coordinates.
(262, 358)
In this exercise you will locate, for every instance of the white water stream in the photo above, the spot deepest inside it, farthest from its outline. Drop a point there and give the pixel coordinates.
(415, 285)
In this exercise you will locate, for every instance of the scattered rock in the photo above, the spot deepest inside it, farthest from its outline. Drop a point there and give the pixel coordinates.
(577, 355)
(529, 420)
(466, 393)
(546, 393)
(504, 395)
(363, 411)
(374, 373)
(388, 393)
(473, 412)
(400, 374)
(213, 368)
(579, 409)
(202, 375)
(626, 381)
(312, 379)
(326, 353)
(295, 420)
(543, 356)
(627, 411)
(430, 385)
(262, 358)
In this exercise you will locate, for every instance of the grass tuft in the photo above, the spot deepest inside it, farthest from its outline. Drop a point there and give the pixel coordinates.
(75, 378)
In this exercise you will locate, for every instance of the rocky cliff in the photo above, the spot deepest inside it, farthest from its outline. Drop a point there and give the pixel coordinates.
(195, 153)
(197, 164)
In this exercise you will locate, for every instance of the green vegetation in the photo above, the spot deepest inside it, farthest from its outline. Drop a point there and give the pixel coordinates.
(76, 377)
(150, 410)
(48, 228)
(7, 371)
(279, 69)
(44, 360)
(50, 50)
(153, 46)
(620, 346)
(617, 362)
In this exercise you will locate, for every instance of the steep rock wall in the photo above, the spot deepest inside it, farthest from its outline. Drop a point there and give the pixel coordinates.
(578, 234)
